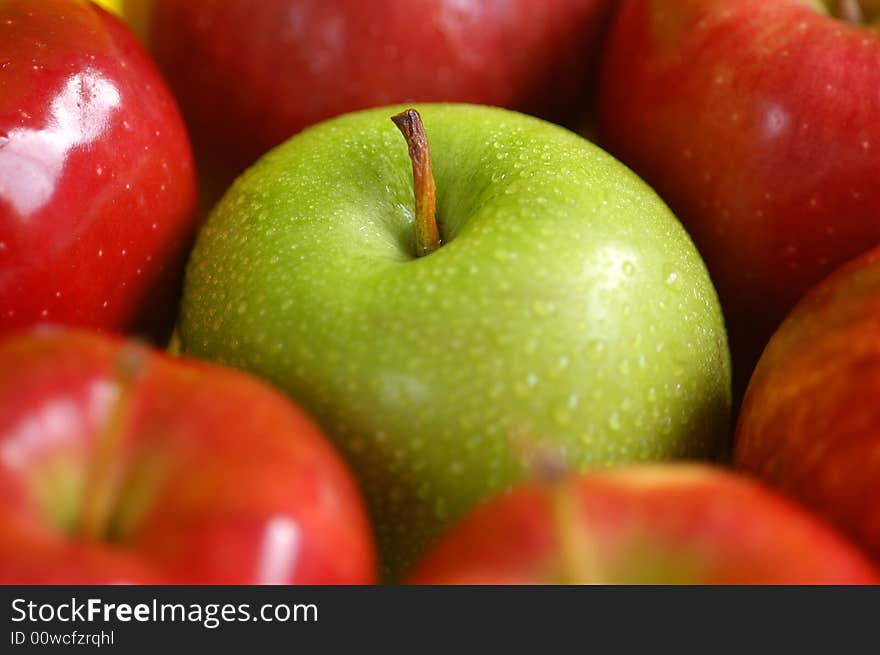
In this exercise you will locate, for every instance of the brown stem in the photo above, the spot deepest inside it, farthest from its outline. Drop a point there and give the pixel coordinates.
(578, 560)
(101, 482)
(851, 11)
(427, 234)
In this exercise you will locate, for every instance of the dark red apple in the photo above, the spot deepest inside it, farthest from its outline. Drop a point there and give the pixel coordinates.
(251, 74)
(118, 464)
(97, 188)
(651, 524)
(810, 422)
(759, 122)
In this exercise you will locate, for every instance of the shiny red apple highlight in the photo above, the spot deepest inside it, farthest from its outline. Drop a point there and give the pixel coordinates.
(97, 188)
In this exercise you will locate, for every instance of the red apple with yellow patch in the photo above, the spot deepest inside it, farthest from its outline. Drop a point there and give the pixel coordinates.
(119, 464)
(673, 524)
(810, 422)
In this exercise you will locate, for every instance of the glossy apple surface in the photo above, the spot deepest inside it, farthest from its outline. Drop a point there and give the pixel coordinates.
(251, 74)
(676, 524)
(810, 423)
(759, 123)
(97, 187)
(118, 464)
(566, 309)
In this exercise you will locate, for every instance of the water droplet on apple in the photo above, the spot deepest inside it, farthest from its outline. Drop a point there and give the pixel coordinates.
(543, 309)
(614, 421)
(628, 268)
(670, 275)
(562, 413)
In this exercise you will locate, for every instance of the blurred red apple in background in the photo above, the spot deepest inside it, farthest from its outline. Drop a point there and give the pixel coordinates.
(759, 122)
(122, 465)
(672, 524)
(97, 188)
(810, 422)
(251, 74)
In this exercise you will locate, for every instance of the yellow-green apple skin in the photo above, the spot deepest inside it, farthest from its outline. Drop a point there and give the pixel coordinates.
(566, 312)
(136, 13)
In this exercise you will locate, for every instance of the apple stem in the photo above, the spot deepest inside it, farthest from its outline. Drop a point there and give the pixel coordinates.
(427, 234)
(578, 559)
(102, 477)
(851, 11)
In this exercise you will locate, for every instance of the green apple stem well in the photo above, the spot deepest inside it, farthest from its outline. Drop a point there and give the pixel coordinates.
(99, 490)
(427, 234)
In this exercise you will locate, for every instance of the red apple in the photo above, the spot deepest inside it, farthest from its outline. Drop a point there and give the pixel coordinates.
(810, 422)
(97, 188)
(651, 524)
(759, 122)
(118, 464)
(250, 74)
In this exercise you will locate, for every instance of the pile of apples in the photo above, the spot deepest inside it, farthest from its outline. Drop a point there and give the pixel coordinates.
(452, 302)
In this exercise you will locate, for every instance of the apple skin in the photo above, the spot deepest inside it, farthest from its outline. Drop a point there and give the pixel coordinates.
(671, 524)
(568, 310)
(258, 72)
(772, 171)
(136, 14)
(810, 422)
(216, 478)
(97, 187)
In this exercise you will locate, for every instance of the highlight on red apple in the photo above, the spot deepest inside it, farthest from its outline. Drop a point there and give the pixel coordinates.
(97, 185)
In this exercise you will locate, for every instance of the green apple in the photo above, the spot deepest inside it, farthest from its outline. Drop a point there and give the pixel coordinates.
(566, 311)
